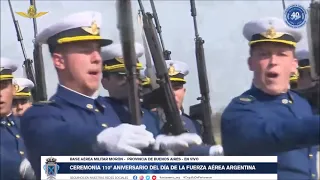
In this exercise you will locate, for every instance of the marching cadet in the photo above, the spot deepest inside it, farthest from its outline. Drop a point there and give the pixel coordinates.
(177, 72)
(294, 80)
(304, 68)
(114, 80)
(12, 151)
(305, 84)
(270, 119)
(73, 122)
(22, 97)
(145, 81)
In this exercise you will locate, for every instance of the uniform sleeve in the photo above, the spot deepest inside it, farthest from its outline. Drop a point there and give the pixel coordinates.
(46, 133)
(247, 132)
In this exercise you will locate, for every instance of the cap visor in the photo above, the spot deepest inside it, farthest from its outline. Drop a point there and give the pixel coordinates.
(273, 40)
(105, 42)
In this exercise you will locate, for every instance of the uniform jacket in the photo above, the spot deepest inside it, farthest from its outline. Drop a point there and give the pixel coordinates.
(12, 150)
(258, 124)
(66, 125)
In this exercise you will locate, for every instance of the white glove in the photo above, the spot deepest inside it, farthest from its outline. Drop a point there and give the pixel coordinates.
(125, 138)
(26, 171)
(176, 143)
(216, 150)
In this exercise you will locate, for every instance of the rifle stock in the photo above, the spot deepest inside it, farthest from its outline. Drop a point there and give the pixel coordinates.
(203, 82)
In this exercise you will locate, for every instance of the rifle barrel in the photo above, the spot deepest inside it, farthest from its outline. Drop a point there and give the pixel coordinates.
(194, 16)
(35, 26)
(18, 31)
(283, 4)
(203, 81)
(141, 7)
(166, 52)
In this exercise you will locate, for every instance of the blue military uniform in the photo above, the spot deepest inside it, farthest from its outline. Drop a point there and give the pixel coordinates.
(177, 72)
(113, 63)
(12, 150)
(69, 123)
(258, 124)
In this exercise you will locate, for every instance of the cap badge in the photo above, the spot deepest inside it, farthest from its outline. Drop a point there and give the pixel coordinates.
(94, 29)
(271, 33)
(119, 59)
(172, 71)
(17, 87)
(1, 68)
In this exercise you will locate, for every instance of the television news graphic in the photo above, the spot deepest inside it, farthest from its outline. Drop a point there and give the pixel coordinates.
(159, 167)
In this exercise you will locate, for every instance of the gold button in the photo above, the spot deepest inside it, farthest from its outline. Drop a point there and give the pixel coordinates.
(21, 152)
(89, 106)
(313, 175)
(17, 136)
(104, 125)
(8, 124)
(97, 110)
(311, 155)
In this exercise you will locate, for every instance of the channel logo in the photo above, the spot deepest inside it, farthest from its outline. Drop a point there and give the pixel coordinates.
(154, 177)
(141, 178)
(147, 177)
(135, 177)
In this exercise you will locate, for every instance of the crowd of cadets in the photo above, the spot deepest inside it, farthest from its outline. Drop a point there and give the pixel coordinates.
(268, 119)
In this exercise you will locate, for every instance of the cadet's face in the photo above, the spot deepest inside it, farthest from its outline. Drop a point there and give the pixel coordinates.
(179, 93)
(272, 64)
(6, 96)
(304, 80)
(81, 63)
(117, 85)
(19, 106)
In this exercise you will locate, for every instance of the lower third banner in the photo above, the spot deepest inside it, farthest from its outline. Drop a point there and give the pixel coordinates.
(159, 167)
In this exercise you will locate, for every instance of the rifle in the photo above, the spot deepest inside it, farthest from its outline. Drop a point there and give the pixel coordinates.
(203, 82)
(283, 4)
(165, 90)
(41, 88)
(166, 53)
(313, 29)
(149, 66)
(312, 94)
(125, 26)
(27, 63)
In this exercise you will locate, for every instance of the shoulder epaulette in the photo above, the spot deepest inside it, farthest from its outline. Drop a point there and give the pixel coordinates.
(39, 103)
(245, 99)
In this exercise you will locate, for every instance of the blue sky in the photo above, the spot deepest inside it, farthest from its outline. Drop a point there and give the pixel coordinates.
(219, 22)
